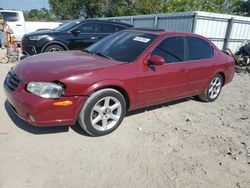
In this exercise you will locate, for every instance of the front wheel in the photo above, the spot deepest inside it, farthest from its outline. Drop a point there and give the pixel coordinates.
(213, 90)
(53, 48)
(103, 112)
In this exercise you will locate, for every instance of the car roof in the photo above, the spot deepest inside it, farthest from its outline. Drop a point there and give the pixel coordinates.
(148, 29)
(162, 32)
(105, 21)
(5, 10)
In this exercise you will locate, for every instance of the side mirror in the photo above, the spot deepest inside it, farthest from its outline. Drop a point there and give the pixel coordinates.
(76, 32)
(156, 60)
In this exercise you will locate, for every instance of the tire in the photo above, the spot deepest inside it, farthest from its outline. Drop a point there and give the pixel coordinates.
(103, 112)
(53, 48)
(213, 90)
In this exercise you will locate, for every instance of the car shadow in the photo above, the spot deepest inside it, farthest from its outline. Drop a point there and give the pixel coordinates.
(30, 128)
(76, 128)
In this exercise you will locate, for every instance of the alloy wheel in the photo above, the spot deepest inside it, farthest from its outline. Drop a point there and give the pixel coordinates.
(106, 113)
(54, 49)
(215, 88)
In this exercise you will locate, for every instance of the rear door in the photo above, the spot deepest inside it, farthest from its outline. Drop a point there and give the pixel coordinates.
(107, 29)
(201, 64)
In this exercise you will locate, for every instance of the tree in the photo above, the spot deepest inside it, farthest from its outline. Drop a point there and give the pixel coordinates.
(149, 7)
(91, 8)
(42, 14)
(73, 9)
(117, 7)
(190, 5)
(67, 9)
(242, 8)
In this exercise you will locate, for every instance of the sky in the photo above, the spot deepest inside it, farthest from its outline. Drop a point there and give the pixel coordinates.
(23, 4)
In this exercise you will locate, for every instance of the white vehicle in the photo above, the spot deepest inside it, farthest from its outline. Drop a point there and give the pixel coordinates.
(17, 23)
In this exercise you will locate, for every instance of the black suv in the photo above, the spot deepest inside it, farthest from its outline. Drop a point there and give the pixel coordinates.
(74, 35)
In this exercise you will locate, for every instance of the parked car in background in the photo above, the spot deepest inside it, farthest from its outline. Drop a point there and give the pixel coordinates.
(17, 23)
(125, 71)
(74, 35)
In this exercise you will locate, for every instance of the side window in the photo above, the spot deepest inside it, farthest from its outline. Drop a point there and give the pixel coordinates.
(89, 28)
(171, 49)
(199, 49)
(10, 16)
(119, 28)
(108, 28)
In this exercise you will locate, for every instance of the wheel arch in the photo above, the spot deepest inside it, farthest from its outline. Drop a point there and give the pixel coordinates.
(64, 46)
(223, 77)
(122, 91)
(220, 72)
(114, 84)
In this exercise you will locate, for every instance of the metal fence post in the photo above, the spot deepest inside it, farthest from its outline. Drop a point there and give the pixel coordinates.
(132, 20)
(228, 33)
(194, 22)
(156, 21)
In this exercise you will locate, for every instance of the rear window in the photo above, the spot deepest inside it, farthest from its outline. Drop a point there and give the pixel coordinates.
(10, 16)
(199, 49)
(120, 27)
(89, 28)
(107, 28)
(111, 28)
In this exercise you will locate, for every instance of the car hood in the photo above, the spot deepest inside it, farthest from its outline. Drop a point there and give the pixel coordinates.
(60, 65)
(41, 32)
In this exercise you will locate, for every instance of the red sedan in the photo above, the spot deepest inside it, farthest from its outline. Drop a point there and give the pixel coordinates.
(125, 71)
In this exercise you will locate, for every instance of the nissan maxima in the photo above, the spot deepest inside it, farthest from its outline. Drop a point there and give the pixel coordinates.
(127, 70)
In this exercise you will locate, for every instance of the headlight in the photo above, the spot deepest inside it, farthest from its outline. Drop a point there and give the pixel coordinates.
(37, 37)
(47, 90)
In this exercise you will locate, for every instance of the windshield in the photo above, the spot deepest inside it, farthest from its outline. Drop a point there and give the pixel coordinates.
(67, 26)
(10, 16)
(123, 46)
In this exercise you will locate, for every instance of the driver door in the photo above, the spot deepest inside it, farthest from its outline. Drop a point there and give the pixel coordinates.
(158, 84)
(88, 33)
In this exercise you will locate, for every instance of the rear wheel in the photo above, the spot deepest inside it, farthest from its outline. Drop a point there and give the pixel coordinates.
(213, 90)
(103, 112)
(53, 48)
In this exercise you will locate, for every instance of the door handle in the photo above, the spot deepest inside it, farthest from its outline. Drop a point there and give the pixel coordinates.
(93, 38)
(18, 24)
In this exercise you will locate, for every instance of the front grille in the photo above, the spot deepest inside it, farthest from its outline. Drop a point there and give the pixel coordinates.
(12, 81)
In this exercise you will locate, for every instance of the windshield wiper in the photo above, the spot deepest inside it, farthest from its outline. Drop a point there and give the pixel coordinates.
(88, 51)
(103, 55)
(98, 53)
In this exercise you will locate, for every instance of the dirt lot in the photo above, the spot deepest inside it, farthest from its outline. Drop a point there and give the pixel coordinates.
(187, 143)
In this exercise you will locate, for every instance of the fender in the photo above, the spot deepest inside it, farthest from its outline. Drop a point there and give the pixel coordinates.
(113, 83)
(54, 42)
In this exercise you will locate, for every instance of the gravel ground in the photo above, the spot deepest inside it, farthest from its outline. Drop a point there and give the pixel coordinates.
(186, 143)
